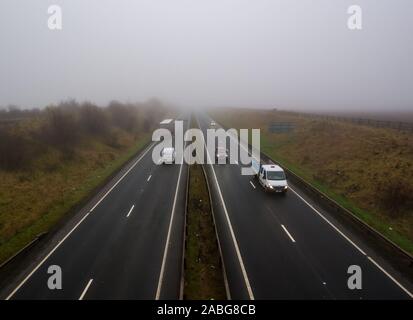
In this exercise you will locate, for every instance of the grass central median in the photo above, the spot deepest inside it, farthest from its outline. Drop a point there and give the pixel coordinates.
(203, 271)
(203, 268)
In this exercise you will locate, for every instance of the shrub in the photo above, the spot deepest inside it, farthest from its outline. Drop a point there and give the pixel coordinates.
(14, 151)
(93, 120)
(61, 129)
(395, 195)
(123, 116)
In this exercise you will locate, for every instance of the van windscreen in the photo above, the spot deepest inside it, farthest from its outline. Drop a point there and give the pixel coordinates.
(275, 175)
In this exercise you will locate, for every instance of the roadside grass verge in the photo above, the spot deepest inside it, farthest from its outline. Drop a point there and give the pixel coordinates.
(33, 201)
(372, 219)
(351, 164)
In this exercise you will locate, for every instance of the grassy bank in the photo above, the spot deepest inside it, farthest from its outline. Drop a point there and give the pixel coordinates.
(53, 159)
(367, 170)
(33, 201)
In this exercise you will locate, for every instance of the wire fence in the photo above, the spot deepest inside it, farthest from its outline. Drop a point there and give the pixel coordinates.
(397, 125)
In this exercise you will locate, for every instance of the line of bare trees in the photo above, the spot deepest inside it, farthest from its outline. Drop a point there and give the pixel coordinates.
(65, 125)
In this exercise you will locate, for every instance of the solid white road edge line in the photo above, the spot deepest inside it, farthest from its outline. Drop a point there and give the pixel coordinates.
(74, 228)
(165, 252)
(234, 240)
(121, 178)
(85, 289)
(343, 235)
(130, 210)
(315, 210)
(326, 220)
(288, 234)
(394, 280)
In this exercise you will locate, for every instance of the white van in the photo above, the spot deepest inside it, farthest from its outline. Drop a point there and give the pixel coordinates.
(271, 177)
(168, 155)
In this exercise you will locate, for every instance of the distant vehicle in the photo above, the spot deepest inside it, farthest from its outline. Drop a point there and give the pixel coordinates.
(271, 177)
(221, 155)
(213, 124)
(168, 156)
(168, 124)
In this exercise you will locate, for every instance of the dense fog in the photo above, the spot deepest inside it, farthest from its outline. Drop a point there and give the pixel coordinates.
(289, 54)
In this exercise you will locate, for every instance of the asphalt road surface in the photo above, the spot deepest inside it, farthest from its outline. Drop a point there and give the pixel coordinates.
(284, 247)
(127, 242)
(127, 245)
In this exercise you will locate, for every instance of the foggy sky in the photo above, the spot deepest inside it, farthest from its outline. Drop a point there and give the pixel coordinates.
(280, 53)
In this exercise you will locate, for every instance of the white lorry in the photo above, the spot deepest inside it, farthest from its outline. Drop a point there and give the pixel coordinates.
(168, 124)
(270, 176)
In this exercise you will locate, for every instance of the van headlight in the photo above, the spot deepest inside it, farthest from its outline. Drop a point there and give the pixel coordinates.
(285, 187)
